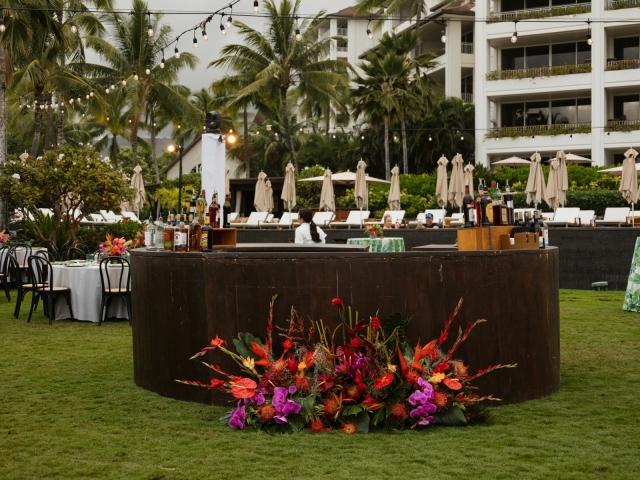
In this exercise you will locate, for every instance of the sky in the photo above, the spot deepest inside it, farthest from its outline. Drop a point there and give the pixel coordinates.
(209, 51)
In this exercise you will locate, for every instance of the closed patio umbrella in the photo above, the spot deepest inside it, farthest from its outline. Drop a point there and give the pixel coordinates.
(552, 184)
(260, 198)
(441, 182)
(456, 183)
(468, 178)
(268, 192)
(360, 189)
(563, 181)
(629, 180)
(289, 188)
(327, 199)
(137, 183)
(394, 191)
(535, 189)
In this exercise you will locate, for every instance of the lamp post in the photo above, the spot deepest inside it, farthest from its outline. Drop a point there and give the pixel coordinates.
(172, 148)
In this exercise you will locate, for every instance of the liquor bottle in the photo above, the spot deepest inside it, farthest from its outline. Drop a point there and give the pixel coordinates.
(168, 234)
(536, 228)
(192, 206)
(226, 210)
(508, 200)
(149, 233)
(159, 240)
(468, 208)
(180, 236)
(214, 211)
(496, 205)
(544, 236)
(201, 206)
(195, 234)
(487, 209)
(479, 216)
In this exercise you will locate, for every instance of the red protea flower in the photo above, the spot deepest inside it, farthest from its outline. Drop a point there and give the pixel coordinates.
(459, 369)
(352, 392)
(399, 412)
(412, 377)
(269, 381)
(303, 384)
(441, 400)
(349, 428)
(277, 367)
(375, 324)
(266, 412)
(317, 426)
(331, 407)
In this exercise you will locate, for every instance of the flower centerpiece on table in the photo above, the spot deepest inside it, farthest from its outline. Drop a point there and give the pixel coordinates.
(374, 231)
(114, 246)
(4, 238)
(361, 375)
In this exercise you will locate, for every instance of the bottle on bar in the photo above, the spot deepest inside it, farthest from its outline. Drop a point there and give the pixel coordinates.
(544, 235)
(180, 235)
(508, 200)
(479, 216)
(536, 228)
(487, 210)
(149, 233)
(201, 206)
(168, 234)
(214, 211)
(226, 211)
(192, 207)
(159, 240)
(468, 208)
(195, 234)
(496, 205)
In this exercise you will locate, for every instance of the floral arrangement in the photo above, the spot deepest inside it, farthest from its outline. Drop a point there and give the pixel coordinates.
(114, 246)
(374, 231)
(373, 379)
(5, 238)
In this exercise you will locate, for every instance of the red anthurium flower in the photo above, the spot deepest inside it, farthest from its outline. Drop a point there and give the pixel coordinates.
(383, 381)
(452, 383)
(292, 365)
(336, 302)
(215, 383)
(217, 342)
(243, 388)
(441, 367)
(287, 344)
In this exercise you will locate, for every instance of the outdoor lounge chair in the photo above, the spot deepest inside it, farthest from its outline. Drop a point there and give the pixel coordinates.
(396, 216)
(456, 220)
(438, 217)
(323, 219)
(286, 220)
(614, 217)
(587, 218)
(110, 217)
(233, 216)
(564, 217)
(130, 216)
(355, 219)
(255, 220)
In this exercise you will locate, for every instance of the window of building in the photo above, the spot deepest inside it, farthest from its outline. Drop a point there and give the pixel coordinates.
(563, 112)
(584, 53)
(626, 107)
(563, 54)
(512, 114)
(342, 120)
(626, 48)
(556, 112)
(536, 113)
(584, 110)
(537, 3)
(537, 56)
(512, 58)
(467, 84)
(510, 5)
(342, 46)
(467, 37)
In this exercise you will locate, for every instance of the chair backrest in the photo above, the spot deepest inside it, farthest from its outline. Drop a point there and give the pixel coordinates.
(566, 214)
(356, 217)
(233, 216)
(616, 214)
(548, 216)
(110, 216)
(51, 247)
(11, 268)
(396, 215)
(130, 216)
(75, 253)
(457, 216)
(586, 216)
(40, 272)
(112, 268)
(288, 218)
(269, 218)
(46, 254)
(323, 218)
(18, 247)
(438, 215)
(256, 218)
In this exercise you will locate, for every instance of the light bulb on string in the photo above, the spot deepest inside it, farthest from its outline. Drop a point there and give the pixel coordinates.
(162, 61)
(42, 106)
(443, 36)
(229, 20)
(124, 82)
(256, 7)
(195, 40)
(113, 86)
(71, 100)
(87, 96)
(148, 70)
(135, 76)
(106, 90)
(177, 52)
(91, 93)
(108, 118)
(589, 39)
(79, 99)
(369, 32)
(571, 137)
(461, 137)
(3, 27)
(149, 26)
(205, 37)
(362, 137)
(608, 134)
(514, 37)
(430, 138)
(72, 26)
(222, 30)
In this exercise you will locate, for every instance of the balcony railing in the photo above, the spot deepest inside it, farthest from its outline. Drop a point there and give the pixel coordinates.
(467, 48)
(539, 72)
(342, 48)
(619, 4)
(325, 34)
(343, 32)
(627, 64)
(622, 125)
(467, 97)
(541, 12)
(539, 130)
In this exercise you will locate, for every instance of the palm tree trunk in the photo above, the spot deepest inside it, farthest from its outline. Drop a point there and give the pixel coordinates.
(287, 128)
(387, 164)
(49, 134)
(247, 170)
(4, 217)
(37, 123)
(134, 141)
(405, 155)
(114, 149)
(152, 125)
(60, 126)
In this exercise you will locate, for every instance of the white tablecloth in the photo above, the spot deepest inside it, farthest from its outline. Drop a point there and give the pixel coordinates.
(21, 256)
(86, 292)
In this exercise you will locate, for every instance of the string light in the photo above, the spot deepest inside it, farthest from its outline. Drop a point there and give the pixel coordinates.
(177, 52)
(443, 33)
(230, 20)
(148, 70)
(113, 87)
(256, 7)
(70, 101)
(369, 32)
(571, 137)
(124, 82)
(3, 27)
(72, 26)
(106, 90)
(195, 40)
(162, 61)
(298, 34)
(205, 37)
(149, 26)
(608, 134)
(222, 30)
(514, 37)
(589, 39)
(135, 76)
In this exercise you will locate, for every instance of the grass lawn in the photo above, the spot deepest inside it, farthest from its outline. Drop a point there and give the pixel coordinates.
(69, 409)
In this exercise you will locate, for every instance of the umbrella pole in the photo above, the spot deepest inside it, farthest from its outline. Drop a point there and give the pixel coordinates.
(290, 220)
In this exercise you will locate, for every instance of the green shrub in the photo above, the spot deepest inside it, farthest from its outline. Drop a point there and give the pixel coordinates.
(93, 237)
(597, 200)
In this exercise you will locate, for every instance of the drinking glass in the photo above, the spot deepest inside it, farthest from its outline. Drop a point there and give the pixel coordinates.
(90, 258)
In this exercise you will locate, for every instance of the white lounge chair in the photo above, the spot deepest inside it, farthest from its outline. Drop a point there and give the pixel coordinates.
(587, 217)
(286, 220)
(130, 216)
(564, 217)
(614, 217)
(438, 217)
(548, 216)
(255, 220)
(396, 216)
(233, 216)
(457, 219)
(356, 219)
(110, 217)
(323, 218)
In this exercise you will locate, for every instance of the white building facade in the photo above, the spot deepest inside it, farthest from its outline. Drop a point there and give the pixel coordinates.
(570, 81)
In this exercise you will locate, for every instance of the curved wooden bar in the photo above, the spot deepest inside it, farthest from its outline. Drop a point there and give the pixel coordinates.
(182, 300)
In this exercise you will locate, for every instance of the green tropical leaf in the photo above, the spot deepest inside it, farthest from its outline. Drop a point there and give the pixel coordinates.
(453, 417)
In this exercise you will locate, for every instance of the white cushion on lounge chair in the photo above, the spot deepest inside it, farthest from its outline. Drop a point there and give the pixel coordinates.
(548, 216)
(457, 216)
(586, 217)
(354, 219)
(110, 216)
(130, 216)
(233, 216)
(564, 216)
(614, 216)
(285, 220)
(323, 218)
(256, 219)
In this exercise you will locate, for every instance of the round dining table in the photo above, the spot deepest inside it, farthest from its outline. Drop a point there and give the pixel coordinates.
(86, 292)
(380, 245)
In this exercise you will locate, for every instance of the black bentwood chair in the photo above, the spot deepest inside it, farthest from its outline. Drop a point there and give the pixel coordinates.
(13, 249)
(41, 276)
(119, 268)
(51, 247)
(13, 269)
(4, 272)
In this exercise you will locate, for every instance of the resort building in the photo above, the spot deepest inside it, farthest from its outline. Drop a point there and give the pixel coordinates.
(557, 75)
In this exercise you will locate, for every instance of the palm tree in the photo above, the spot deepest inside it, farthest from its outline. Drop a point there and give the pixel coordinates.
(131, 54)
(392, 8)
(289, 56)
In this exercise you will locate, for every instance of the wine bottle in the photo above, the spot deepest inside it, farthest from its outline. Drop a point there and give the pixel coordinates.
(544, 231)
(487, 210)
(479, 216)
(468, 208)
(192, 206)
(496, 205)
(159, 240)
(226, 210)
(214, 211)
(168, 234)
(195, 234)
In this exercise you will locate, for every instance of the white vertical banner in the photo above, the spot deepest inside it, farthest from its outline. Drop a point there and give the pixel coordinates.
(213, 163)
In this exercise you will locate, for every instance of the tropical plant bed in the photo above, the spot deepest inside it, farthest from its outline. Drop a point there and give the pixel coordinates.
(539, 72)
(543, 130)
(552, 12)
